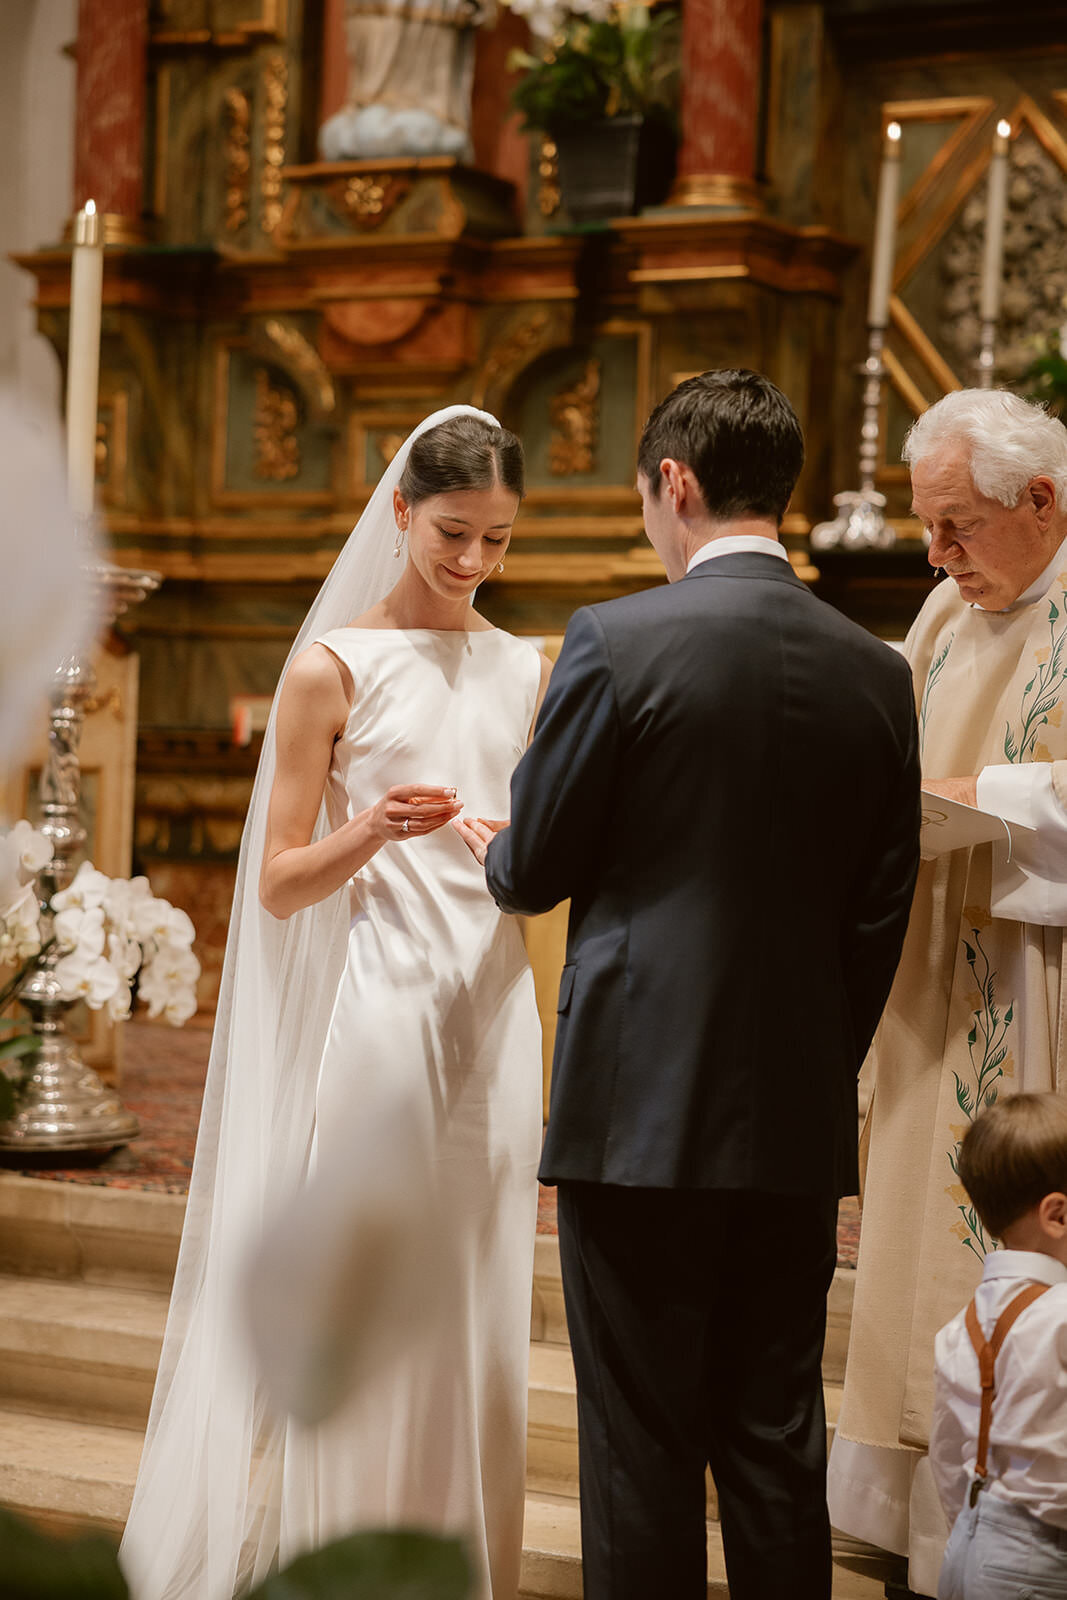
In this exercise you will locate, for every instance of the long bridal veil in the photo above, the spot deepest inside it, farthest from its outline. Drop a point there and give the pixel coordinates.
(206, 1513)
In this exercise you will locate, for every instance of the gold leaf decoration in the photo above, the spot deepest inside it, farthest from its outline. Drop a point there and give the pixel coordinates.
(276, 417)
(575, 416)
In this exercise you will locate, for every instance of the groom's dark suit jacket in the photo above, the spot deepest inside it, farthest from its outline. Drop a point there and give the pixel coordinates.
(724, 781)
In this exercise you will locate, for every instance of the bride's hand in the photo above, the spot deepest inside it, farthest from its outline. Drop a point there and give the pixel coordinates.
(411, 810)
(478, 834)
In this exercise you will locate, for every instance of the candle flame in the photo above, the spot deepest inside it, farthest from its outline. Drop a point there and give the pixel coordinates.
(90, 208)
(893, 131)
(1004, 128)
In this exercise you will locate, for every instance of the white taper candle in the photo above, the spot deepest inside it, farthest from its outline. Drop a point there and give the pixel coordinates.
(83, 359)
(885, 230)
(996, 209)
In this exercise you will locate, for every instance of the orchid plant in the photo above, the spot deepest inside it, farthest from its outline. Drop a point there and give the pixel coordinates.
(110, 935)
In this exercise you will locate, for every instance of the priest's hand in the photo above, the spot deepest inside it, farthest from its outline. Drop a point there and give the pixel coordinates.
(477, 834)
(962, 790)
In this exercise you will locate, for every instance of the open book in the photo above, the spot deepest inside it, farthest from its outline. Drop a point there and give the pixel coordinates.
(949, 825)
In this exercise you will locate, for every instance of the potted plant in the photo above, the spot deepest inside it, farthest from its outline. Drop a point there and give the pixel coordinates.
(604, 91)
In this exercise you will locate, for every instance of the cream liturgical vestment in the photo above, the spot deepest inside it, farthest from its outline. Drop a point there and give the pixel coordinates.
(975, 1013)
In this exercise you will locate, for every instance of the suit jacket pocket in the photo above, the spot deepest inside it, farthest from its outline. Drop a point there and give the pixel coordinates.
(566, 985)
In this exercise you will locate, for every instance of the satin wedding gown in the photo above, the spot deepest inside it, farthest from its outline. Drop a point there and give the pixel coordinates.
(437, 988)
(436, 996)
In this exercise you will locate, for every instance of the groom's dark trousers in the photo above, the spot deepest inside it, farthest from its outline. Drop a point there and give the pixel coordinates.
(724, 782)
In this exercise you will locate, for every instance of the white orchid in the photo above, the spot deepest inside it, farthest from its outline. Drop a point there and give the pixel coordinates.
(120, 1004)
(31, 847)
(88, 889)
(20, 931)
(546, 18)
(158, 920)
(168, 979)
(180, 1008)
(124, 954)
(89, 978)
(121, 903)
(109, 932)
(82, 930)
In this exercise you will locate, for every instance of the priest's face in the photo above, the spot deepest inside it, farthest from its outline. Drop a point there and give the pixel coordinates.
(993, 552)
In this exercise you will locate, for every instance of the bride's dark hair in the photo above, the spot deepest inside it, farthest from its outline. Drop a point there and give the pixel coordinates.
(462, 453)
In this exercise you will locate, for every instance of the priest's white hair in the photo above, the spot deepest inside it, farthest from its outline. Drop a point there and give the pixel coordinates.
(1011, 441)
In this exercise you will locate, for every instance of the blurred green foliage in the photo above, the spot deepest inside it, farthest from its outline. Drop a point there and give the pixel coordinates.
(622, 66)
(400, 1565)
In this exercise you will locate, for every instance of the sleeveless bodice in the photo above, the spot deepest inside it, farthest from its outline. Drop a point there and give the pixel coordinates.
(441, 708)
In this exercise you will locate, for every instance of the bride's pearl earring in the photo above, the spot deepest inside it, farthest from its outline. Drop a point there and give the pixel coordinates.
(398, 547)
(500, 566)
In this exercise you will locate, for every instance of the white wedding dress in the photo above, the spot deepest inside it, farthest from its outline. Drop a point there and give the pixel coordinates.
(437, 990)
(434, 996)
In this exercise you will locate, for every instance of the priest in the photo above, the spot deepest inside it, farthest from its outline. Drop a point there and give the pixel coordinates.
(977, 1007)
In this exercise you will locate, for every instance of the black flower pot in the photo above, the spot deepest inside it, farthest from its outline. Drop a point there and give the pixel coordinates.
(614, 168)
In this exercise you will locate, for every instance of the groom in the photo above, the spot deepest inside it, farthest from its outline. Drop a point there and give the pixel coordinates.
(724, 782)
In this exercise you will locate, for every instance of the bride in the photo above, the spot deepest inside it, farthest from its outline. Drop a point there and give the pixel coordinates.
(364, 955)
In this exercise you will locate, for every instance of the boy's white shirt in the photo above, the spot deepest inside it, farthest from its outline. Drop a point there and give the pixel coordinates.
(1027, 1461)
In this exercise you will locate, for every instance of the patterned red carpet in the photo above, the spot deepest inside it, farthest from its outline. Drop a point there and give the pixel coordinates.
(162, 1084)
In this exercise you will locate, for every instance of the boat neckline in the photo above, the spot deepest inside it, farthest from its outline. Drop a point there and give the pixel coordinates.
(459, 633)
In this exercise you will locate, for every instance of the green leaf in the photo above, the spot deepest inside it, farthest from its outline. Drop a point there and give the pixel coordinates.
(1009, 1013)
(973, 1035)
(1053, 611)
(971, 954)
(23, 1044)
(963, 1095)
(1011, 749)
(1029, 686)
(36, 1566)
(401, 1565)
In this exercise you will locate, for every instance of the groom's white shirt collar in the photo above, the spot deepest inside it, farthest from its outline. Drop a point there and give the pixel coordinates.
(732, 544)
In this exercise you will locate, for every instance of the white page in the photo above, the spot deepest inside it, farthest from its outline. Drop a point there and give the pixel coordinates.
(950, 825)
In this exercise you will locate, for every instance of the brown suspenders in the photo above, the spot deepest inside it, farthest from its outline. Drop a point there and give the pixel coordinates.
(987, 1352)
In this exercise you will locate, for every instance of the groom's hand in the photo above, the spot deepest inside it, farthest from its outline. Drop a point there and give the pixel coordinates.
(477, 834)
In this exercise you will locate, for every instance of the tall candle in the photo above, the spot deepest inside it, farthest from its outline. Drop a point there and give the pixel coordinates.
(996, 208)
(83, 359)
(885, 230)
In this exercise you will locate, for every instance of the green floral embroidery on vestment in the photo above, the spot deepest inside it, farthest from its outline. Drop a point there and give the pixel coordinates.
(936, 668)
(988, 1052)
(1041, 695)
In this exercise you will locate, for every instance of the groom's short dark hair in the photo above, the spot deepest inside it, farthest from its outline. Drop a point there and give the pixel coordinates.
(738, 433)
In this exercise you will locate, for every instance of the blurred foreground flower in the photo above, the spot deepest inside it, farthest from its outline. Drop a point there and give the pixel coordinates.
(48, 608)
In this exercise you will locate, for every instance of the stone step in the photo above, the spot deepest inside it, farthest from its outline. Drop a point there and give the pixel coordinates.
(549, 1321)
(552, 1426)
(83, 1351)
(127, 1238)
(68, 1476)
(551, 1561)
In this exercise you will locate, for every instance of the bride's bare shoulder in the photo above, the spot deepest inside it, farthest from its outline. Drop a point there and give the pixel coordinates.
(316, 672)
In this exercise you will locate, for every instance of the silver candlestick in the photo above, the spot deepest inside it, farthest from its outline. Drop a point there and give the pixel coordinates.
(62, 1104)
(861, 523)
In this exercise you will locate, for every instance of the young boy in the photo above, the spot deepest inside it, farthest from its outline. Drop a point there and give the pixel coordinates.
(1001, 1467)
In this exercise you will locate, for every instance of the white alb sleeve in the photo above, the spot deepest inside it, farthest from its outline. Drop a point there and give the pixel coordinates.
(1030, 882)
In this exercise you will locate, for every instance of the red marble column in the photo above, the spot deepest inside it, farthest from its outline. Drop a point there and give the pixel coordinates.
(110, 120)
(720, 89)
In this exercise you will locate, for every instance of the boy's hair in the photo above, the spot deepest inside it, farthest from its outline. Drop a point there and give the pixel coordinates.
(1013, 1155)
